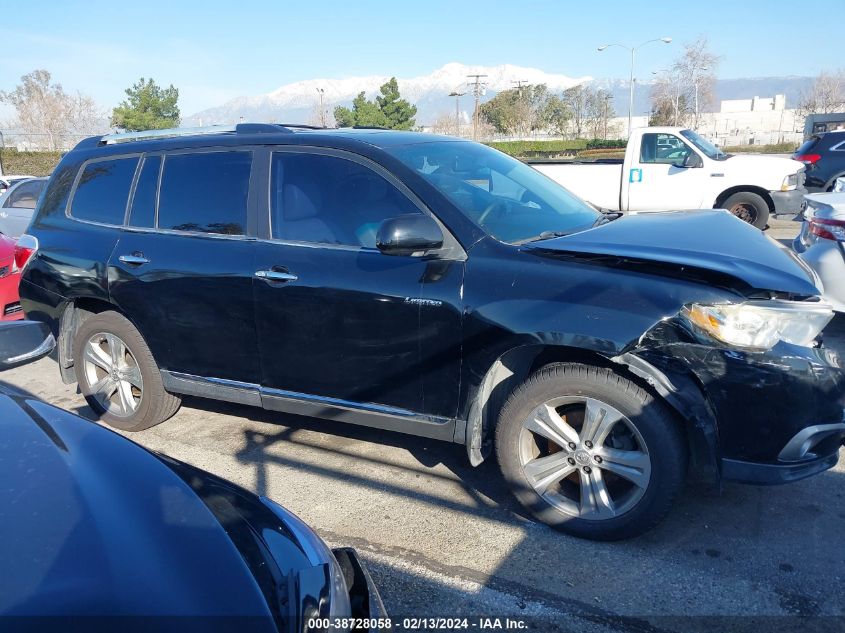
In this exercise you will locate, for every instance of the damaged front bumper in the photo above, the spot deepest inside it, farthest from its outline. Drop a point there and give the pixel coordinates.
(755, 417)
(811, 451)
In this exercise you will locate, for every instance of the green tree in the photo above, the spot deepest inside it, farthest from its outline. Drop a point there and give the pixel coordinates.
(388, 110)
(398, 112)
(364, 112)
(519, 110)
(148, 107)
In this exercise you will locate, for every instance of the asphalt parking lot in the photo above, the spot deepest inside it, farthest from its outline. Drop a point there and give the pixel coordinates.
(443, 538)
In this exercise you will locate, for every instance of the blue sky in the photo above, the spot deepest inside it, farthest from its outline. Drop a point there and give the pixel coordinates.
(213, 51)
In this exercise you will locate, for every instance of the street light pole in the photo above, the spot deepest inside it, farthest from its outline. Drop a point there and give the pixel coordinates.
(633, 50)
(457, 96)
(322, 110)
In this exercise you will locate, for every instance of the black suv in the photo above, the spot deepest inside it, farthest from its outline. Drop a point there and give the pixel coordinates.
(824, 156)
(437, 287)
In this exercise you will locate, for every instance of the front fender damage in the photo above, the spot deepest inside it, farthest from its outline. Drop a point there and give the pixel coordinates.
(681, 391)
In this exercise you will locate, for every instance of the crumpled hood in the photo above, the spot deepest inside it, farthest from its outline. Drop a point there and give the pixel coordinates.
(705, 239)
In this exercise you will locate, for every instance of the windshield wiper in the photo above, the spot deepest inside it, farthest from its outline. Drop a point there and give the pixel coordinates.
(607, 216)
(545, 235)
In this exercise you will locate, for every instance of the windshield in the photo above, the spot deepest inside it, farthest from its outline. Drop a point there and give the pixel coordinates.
(710, 150)
(510, 200)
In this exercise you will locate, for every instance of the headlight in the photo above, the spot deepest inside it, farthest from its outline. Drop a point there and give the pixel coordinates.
(839, 185)
(760, 325)
(791, 182)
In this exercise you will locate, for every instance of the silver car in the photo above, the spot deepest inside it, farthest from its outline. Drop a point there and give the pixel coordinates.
(821, 243)
(18, 204)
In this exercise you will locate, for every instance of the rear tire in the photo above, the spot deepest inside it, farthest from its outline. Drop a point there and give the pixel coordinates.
(590, 453)
(118, 376)
(748, 207)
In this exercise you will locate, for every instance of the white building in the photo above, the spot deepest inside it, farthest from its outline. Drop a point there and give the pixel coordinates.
(756, 121)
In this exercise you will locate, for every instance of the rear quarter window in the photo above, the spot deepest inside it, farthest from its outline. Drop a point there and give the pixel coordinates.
(102, 191)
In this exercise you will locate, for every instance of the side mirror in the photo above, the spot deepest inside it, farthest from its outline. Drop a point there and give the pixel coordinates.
(411, 234)
(691, 160)
(23, 342)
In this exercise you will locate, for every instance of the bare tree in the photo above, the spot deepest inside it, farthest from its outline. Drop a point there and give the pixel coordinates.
(697, 70)
(444, 124)
(688, 88)
(576, 99)
(46, 115)
(826, 95)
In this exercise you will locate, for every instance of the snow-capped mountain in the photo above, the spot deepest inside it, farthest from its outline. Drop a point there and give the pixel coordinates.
(299, 102)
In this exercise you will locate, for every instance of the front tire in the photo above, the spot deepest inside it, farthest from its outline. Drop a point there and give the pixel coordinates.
(589, 452)
(118, 376)
(749, 207)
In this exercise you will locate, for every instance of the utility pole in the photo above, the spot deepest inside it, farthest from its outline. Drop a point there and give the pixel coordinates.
(607, 98)
(477, 88)
(322, 110)
(524, 112)
(457, 96)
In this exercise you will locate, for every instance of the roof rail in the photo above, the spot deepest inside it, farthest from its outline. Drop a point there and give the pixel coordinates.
(303, 126)
(177, 132)
(125, 137)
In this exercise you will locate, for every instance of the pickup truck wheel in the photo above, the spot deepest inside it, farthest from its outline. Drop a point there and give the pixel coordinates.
(748, 207)
(589, 452)
(118, 376)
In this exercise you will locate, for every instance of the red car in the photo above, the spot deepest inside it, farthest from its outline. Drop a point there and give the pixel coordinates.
(10, 277)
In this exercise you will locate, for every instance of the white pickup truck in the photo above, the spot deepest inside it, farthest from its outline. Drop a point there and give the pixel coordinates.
(668, 168)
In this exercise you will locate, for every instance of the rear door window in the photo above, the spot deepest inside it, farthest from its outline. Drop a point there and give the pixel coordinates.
(102, 192)
(205, 192)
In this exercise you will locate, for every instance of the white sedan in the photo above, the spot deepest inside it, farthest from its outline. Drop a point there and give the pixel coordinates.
(821, 243)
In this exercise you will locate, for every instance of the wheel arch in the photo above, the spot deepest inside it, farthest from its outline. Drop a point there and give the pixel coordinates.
(683, 397)
(74, 313)
(831, 181)
(763, 193)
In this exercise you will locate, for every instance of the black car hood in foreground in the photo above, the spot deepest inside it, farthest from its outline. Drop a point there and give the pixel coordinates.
(93, 525)
(710, 240)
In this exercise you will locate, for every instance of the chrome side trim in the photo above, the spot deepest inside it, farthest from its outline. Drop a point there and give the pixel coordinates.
(215, 388)
(378, 409)
(364, 414)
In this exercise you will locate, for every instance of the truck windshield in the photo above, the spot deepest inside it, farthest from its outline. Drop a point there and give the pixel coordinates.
(512, 201)
(704, 145)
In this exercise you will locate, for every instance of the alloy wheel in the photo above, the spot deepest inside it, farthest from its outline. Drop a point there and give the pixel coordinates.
(584, 457)
(113, 374)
